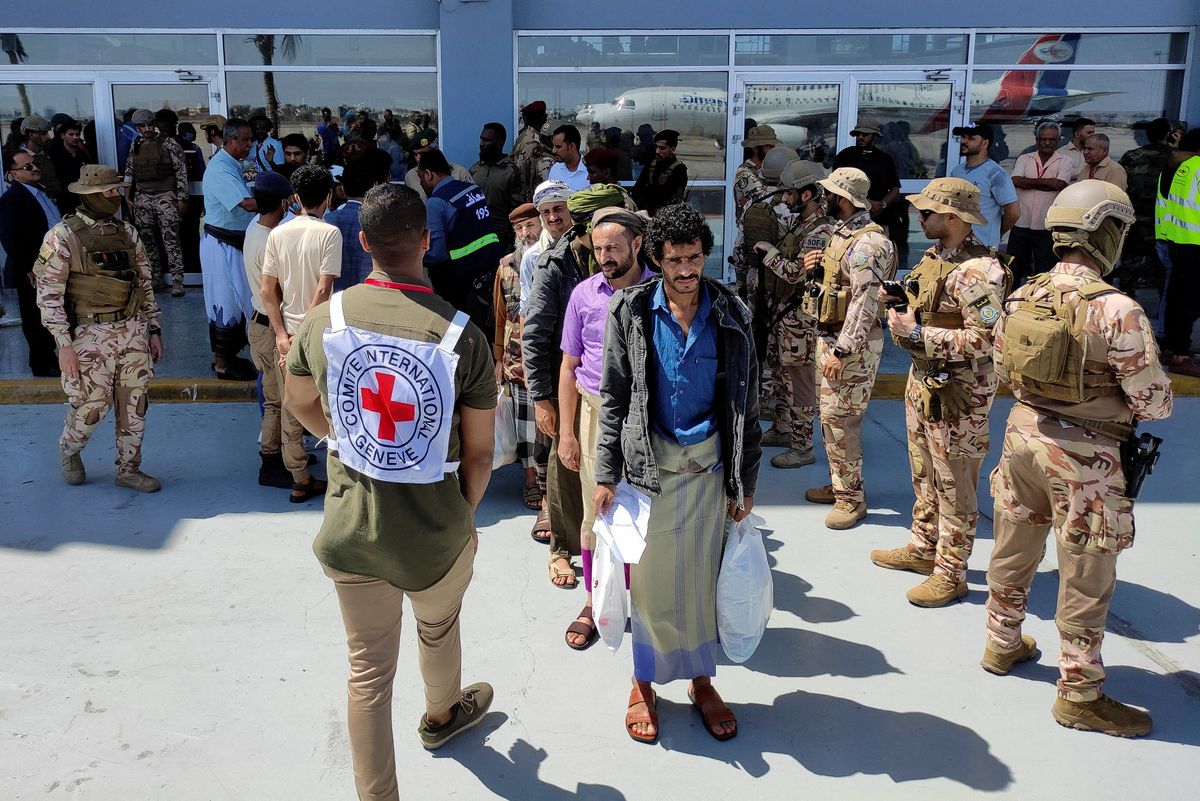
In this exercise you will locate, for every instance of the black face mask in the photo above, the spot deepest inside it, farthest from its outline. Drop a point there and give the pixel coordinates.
(99, 206)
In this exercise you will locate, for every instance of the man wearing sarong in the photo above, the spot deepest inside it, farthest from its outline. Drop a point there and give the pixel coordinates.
(679, 421)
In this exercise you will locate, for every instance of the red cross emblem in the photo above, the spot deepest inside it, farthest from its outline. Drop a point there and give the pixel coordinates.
(390, 412)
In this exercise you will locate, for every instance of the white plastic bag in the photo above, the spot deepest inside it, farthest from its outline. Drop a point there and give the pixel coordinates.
(504, 450)
(610, 601)
(745, 593)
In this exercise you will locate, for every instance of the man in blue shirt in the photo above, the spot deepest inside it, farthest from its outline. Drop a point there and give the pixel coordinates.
(997, 196)
(228, 210)
(679, 421)
(330, 136)
(361, 174)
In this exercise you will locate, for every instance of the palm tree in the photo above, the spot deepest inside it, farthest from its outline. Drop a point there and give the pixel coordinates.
(10, 43)
(266, 48)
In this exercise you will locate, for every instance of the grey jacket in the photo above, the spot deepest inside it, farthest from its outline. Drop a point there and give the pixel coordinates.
(557, 273)
(625, 388)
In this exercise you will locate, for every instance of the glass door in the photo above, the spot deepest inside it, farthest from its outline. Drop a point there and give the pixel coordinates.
(188, 94)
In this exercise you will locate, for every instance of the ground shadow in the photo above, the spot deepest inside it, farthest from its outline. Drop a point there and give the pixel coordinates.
(838, 737)
(792, 592)
(1137, 611)
(515, 775)
(799, 653)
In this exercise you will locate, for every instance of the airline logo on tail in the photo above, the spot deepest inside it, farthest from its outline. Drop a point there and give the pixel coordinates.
(1019, 88)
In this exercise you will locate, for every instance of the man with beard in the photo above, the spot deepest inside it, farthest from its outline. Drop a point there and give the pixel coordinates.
(68, 154)
(616, 235)
(266, 152)
(880, 170)
(295, 154)
(157, 196)
(748, 187)
(998, 204)
(498, 177)
(679, 421)
(664, 182)
(531, 151)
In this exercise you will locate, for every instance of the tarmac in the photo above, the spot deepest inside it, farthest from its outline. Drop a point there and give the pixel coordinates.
(186, 646)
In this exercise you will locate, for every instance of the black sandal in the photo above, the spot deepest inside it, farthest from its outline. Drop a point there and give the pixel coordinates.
(312, 489)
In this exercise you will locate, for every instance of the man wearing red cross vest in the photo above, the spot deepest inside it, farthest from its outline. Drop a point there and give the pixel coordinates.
(409, 413)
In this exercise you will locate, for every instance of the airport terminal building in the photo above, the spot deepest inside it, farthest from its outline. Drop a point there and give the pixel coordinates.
(703, 68)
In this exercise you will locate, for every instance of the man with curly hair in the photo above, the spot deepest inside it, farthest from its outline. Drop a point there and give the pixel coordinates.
(679, 421)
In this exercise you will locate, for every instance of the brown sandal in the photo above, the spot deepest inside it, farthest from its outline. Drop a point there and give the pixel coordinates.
(649, 715)
(541, 526)
(586, 630)
(558, 572)
(713, 710)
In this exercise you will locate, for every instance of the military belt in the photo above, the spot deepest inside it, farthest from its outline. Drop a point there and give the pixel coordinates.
(105, 317)
(1117, 431)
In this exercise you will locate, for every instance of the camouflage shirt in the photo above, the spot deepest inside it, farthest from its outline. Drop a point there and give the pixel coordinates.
(1143, 166)
(507, 350)
(869, 262)
(1118, 333)
(975, 289)
(532, 158)
(748, 186)
(814, 232)
(55, 267)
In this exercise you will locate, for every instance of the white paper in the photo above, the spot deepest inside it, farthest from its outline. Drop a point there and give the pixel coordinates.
(624, 527)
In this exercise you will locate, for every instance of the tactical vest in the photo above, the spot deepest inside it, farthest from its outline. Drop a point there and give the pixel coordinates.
(830, 300)
(927, 282)
(1045, 346)
(50, 182)
(103, 285)
(152, 168)
(758, 225)
(473, 244)
(792, 245)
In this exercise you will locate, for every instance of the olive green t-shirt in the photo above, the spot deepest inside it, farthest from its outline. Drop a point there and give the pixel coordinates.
(406, 534)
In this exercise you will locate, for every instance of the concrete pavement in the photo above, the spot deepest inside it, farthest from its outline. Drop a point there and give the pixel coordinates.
(186, 646)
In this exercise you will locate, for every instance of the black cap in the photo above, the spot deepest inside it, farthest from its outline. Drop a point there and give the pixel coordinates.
(975, 129)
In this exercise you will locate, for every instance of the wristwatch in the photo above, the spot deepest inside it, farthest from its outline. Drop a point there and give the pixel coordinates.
(840, 353)
(916, 336)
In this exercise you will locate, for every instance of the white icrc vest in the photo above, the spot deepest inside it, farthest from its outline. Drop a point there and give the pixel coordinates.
(391, 400)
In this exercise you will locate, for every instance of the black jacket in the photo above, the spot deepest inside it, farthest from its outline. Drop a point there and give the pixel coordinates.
(624, 449)
(557, 273)
(23, 225)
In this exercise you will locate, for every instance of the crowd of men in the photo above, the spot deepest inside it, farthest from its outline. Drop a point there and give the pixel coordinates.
(390, 313)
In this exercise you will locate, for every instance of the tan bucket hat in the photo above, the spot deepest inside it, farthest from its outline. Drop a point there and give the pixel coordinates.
(94, 178)
(849, 182)
(213, 119)
(956, 196)
(761, 135)
(868, 125)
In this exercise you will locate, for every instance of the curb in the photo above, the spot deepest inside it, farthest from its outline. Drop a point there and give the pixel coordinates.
(888, 386)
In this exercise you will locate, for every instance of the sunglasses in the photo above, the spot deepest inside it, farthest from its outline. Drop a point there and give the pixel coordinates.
(926, 213)
(27, 168)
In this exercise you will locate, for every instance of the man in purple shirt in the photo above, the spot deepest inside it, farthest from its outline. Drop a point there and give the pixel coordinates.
(616, 242)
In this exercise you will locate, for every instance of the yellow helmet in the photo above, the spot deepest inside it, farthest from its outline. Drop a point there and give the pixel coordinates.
(1092, 216)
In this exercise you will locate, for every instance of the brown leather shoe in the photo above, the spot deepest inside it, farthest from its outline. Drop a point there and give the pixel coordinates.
(820, 494)
(903, 559)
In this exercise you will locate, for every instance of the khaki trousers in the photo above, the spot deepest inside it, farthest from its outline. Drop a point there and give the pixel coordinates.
(371, 612)
(564, 500)
(280, 430)
(589, 437)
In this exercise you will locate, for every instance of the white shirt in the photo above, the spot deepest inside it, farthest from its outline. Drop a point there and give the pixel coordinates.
(252, 255)
(528, 262)
(577, 180)
(298, 254)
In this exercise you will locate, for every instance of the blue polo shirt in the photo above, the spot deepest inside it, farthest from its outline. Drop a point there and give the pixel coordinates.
(224, 189)
(996, 190)
(684, 371)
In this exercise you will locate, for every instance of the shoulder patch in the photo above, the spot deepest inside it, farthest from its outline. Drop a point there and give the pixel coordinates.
(46, 252)
(989, 314)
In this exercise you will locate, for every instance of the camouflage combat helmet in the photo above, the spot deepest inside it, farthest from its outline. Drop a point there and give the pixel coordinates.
(1093, 216)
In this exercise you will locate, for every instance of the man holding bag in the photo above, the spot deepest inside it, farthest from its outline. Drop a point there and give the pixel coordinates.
(679, 421)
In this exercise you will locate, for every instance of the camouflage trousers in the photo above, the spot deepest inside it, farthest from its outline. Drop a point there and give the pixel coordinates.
(1055, 475)
(281, 432)
(114, 370)
(945, 457)
(843, 405)
(794, 393)
(157, 220)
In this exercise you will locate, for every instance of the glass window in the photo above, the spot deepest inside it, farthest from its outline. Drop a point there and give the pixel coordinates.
(1114, 99)
(695, 104)
(109, 49)
(295, 99)
(188, 100)
(856, 48)
(1081, 48)
(330, 50)
(710, 201)
(19, 100)
(804, 115)
(913, 119)
(622, 51)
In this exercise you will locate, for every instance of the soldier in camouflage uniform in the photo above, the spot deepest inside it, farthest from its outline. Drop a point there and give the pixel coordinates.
(805, 229)
(748, 187)
(954, 297)
(1139, 262)
(94, 292)
(158, 196)
(858, 259)
(1061, 461)
(531, 152)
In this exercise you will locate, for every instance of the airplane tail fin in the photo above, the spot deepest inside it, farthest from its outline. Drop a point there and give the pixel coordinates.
(1018, 88)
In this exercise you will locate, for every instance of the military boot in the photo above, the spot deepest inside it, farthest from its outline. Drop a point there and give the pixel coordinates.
(775, 438)
(1105, 714)
(273, 473)
(793, 457)
(936, 591)
(72, 467)
(845, 515)
(177, 290)
(903, 559)
(820, 494)
(139, 481)
(1000, 662)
